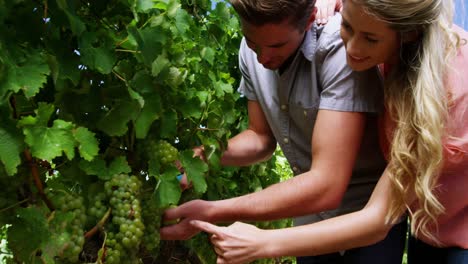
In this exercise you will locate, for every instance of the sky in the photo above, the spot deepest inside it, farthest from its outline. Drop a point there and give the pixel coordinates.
(461, 13)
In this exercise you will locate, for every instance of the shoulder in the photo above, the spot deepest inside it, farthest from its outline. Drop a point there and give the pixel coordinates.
(328, 38)
(333, 26)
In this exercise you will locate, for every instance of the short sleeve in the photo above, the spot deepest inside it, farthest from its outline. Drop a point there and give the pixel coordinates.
(246, 86)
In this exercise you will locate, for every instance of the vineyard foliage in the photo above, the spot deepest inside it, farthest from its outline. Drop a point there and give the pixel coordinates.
(98, 99)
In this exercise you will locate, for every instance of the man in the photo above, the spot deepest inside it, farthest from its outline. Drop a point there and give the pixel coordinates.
(302, 95)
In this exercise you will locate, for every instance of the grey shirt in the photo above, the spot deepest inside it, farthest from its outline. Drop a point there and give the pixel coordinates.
(317, 78)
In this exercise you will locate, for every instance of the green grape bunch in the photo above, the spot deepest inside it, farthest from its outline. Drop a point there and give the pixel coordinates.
(70, 203)
(126, 229)
(162, 151)
(152, 219)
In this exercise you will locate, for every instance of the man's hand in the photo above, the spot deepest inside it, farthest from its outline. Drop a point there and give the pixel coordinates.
(236, 244)
(192, 210)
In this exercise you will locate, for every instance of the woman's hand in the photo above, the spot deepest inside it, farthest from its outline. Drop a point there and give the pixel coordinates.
(235, 244)
(327, 9)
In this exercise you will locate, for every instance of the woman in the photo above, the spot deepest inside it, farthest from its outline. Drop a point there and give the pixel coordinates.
(424, 59)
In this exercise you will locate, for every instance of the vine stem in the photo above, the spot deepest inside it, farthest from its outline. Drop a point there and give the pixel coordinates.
(37, 180)
(127, 50)
(13, 205)
(99, 225)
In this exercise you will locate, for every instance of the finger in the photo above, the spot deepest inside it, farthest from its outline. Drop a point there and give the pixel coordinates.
(320, 15)
(209, 228)
(181, 231)
(172, 214)
(330, 8)
(218, 251)
(179, 166)
(339, 5)
(183, 183)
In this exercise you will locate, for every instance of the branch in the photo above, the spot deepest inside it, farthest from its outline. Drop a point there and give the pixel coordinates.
(13, 205)
(99, 225)
(37, 180)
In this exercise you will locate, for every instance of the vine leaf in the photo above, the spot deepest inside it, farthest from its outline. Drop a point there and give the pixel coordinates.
(195, 169)
(48, 143)
(88, 144)
(168, 124)
(97, 52)
(168, 191)
(28, 73)
(99, 167)
(77, 26)
(31, 226)
(114, 123)
(11, 145)
(58, 237)
(150, 112)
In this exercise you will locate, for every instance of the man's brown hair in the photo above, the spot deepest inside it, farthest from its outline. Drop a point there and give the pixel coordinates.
(261, 12)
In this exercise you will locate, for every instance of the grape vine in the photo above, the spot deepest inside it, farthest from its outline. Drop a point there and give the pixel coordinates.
(98, 100)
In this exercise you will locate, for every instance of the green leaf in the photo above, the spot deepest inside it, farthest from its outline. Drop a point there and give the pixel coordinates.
(28, 73)
(88, 145)
(195, 169)
(191, 108)
(118, 166)
(43, 114)
(154, 166)
(114, 123)
(172, 8)
(208, 54)
(168, 191)
(148, 115)
(99, 167)
(31, 226)
(77, 26)
(150, 40)
(144, 5)
(96, 167)
(49, 143)
(97, 51)
(11, 145)
(159, 64)
(168, 124)
(182, 22)
(222, 88)
(58, 238)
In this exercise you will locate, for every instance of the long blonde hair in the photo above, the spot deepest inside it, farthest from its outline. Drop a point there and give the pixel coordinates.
(417, 100)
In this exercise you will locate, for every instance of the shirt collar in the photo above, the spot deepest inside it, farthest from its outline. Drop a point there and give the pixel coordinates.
(310, 42)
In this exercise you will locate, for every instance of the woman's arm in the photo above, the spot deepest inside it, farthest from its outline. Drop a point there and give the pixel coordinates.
(242, 243)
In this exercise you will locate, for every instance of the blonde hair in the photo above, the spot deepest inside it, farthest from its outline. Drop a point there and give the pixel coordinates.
(417, 102)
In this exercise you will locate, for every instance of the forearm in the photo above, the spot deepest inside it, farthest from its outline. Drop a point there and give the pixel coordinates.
(364, 227)
(301, 195)
(248, 148)
(357, 229)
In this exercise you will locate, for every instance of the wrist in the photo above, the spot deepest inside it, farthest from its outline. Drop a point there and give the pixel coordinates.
(268, 248)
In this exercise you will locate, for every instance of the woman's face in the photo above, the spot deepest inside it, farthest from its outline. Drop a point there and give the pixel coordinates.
(368, 41)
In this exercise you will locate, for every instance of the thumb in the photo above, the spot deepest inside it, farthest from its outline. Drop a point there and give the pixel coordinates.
(207, 227)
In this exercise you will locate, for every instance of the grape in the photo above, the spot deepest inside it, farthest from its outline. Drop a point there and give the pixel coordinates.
(126, 228)
(152, 222)
(162, 151)
(66, 202)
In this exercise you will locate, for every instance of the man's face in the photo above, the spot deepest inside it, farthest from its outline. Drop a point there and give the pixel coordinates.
(273, 43)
